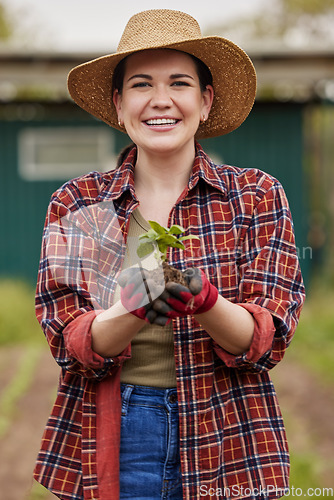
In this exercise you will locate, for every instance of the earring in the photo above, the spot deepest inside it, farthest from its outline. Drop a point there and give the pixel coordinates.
(203, 119)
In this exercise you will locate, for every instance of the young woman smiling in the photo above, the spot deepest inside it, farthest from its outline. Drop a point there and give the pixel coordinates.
(168, 397)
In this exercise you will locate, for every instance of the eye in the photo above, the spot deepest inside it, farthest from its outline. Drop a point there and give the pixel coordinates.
(180, 83)
(140, 85)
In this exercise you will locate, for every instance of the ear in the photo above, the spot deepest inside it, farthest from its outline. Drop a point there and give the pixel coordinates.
(117, 100)
(207, 96)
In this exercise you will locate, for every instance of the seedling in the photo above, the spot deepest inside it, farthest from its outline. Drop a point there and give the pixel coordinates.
(160, 238)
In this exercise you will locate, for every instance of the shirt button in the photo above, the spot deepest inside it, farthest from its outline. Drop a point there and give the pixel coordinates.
(173, 398)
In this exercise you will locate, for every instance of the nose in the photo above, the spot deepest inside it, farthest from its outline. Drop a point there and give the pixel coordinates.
(161, 97)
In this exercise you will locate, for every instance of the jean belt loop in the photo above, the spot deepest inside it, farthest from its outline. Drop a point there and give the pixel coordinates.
(126, 398)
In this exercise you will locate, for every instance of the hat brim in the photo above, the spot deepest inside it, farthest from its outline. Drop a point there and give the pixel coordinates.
(234, 82)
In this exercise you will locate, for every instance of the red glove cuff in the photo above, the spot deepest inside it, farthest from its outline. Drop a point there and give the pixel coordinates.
(209, 293)
(187, 303)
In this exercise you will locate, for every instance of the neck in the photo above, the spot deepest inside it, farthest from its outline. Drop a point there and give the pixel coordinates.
(167, 173)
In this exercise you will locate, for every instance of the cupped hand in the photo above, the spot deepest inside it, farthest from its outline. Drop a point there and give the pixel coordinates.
(138, 292)
(197, 297)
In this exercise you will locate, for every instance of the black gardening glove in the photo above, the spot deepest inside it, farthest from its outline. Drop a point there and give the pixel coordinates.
(138, 293)
(197, 297)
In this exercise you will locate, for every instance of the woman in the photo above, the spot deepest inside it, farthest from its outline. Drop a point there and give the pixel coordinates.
(186, 409)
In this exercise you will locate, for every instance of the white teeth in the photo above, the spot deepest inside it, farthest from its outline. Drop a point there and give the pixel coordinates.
(161, 121)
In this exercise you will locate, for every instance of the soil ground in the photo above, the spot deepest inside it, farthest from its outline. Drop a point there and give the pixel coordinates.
(19, 446)
(307, 406)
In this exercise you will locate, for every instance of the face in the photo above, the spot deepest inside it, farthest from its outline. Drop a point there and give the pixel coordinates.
(161, 103)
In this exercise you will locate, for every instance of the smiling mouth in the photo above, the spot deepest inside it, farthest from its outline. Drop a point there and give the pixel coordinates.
(162, 121)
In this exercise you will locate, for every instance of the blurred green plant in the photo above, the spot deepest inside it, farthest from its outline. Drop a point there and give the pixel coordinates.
(309, 21)
(6, 28)
(18, 323)
(18, 386)
(304, 471)
(305, 464)
(313, 344)
(38, 492)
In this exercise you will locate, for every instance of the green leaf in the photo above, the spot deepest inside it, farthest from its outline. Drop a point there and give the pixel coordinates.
(161, 237)
(145, 249)
(163, 243)
(150, 236)
(176, 229)
(177, 244)
(189, 237)
(157, 228)
(166, 238)
(163, 249)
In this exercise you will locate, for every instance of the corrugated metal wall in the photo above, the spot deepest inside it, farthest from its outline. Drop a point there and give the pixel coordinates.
(271, 139)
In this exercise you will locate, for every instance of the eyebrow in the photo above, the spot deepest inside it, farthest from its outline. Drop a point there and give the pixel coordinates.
(180, 75)
(140, 75)
(149, 77)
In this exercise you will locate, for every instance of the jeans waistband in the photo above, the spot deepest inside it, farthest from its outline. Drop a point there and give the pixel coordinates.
(148, 395)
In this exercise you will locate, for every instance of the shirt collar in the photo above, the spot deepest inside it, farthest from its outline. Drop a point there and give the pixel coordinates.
(121, 180)
(205, 169)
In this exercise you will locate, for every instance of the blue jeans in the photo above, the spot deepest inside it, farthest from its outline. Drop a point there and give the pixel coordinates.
(149, 454)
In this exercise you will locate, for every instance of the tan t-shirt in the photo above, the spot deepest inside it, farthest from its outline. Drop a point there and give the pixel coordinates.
(152, 349)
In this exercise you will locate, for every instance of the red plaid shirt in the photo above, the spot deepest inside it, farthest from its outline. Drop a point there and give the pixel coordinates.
(232, 437)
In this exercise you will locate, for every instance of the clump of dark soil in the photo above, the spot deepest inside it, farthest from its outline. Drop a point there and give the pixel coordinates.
(170, 273)
(173, 274)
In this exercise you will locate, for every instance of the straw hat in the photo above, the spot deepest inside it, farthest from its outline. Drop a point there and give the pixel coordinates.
(234, 77)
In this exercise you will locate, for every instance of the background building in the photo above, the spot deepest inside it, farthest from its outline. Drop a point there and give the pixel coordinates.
(46, 140)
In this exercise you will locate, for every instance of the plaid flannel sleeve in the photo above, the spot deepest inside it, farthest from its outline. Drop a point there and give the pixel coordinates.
(67, 298)
(271, 286)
